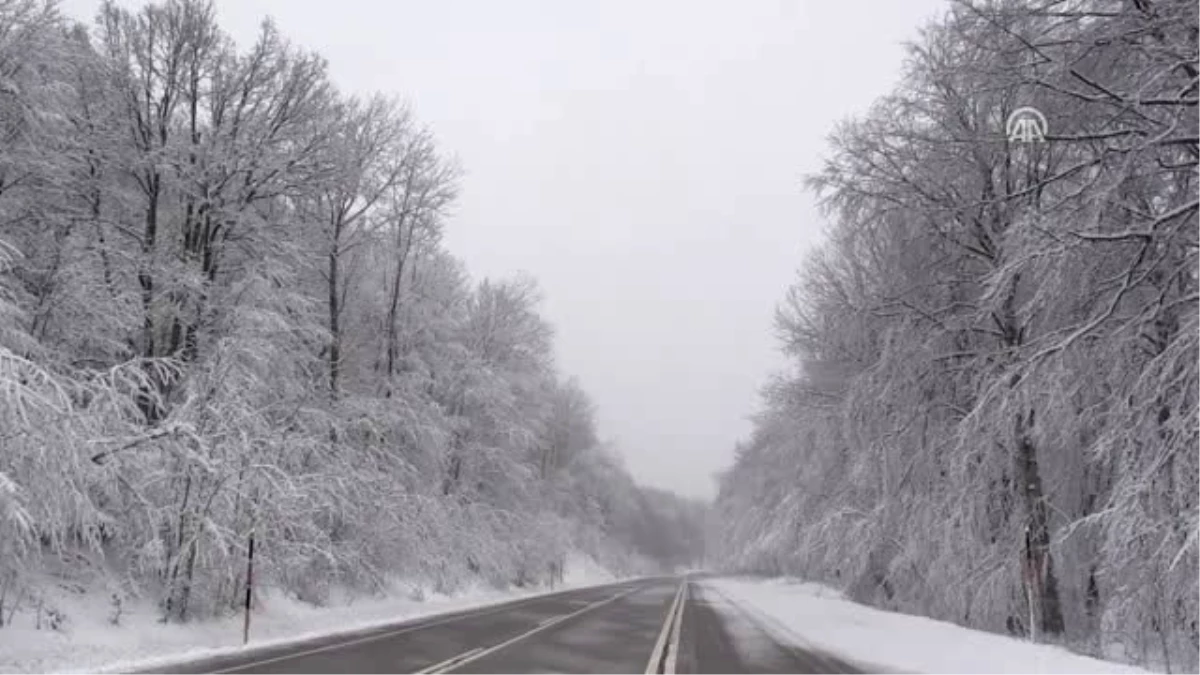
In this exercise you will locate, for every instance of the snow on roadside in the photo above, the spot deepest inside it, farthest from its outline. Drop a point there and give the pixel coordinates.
(89, 643)
(816, 617)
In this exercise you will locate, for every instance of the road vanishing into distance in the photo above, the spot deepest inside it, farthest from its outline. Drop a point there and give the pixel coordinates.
(654, 625)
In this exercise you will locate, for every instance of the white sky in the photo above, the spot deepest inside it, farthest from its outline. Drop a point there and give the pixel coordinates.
(642, 159)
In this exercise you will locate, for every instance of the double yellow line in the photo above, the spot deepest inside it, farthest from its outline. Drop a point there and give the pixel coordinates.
(662, 660)
(666, 649)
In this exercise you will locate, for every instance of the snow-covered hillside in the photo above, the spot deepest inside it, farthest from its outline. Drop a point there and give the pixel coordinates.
(89, 641)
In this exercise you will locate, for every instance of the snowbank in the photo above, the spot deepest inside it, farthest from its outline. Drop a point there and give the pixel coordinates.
(88, 642)
(816, 617)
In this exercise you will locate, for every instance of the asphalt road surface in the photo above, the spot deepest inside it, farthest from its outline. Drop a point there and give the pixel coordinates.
(661, 625)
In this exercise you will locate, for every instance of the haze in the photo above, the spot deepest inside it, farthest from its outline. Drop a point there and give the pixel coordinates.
(641, 160)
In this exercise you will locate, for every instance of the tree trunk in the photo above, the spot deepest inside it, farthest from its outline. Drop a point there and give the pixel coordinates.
(249, 589)
(145, 275)
(393, 337)
(1038, 554)
(335, 328)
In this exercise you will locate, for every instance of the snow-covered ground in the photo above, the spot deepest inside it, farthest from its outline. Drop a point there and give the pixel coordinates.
(88, 642)
(817, 618)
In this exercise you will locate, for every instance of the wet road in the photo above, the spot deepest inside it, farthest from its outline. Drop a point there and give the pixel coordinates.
(668, 624)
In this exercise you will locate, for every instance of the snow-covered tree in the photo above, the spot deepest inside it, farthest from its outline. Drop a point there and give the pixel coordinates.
(991, 414)
(228, 323)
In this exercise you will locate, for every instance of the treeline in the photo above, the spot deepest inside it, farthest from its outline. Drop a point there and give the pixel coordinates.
(991, 416)
(227, 317)
(681, 520)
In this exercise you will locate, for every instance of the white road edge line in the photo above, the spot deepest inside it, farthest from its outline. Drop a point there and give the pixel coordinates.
(664, 634)
(479, 653)
(418, 625)
(673, 645)
(447, 663)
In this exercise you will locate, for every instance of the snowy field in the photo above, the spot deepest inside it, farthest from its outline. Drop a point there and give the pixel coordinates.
(89, 643)
(817, 618)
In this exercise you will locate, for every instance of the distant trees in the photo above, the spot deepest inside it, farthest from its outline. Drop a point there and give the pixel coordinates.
(992, 411)
(227, 319)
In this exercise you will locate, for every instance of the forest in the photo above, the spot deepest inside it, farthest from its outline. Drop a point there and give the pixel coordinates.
(229, 327)
(989, 415)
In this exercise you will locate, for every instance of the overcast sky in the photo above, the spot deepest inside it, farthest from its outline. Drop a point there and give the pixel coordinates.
(642, 159)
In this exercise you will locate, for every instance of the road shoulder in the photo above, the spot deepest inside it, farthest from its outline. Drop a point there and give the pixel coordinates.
(721, 636)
